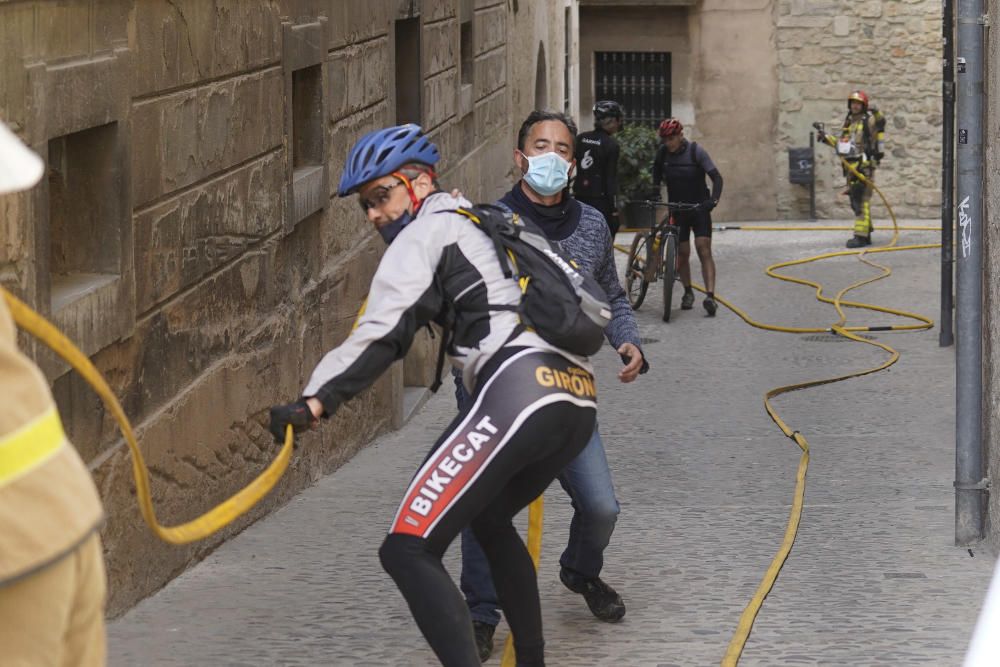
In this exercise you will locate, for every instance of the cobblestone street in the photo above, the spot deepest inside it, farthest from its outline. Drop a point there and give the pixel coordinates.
(705, 481)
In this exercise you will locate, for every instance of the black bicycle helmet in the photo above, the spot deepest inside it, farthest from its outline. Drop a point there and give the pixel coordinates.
(608, 109)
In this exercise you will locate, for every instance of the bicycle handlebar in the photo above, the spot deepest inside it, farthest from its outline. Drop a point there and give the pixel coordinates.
(671, 205)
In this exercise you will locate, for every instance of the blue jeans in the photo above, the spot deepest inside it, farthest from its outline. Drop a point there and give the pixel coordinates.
(587, 480)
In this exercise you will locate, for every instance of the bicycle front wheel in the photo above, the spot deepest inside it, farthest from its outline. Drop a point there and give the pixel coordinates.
(669, 273)
(635, 271)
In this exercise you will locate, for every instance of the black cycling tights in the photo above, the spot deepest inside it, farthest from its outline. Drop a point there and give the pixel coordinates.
(532, 413)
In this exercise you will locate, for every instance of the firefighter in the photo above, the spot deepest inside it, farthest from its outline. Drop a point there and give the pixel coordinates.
(862, 145)
(52, 581)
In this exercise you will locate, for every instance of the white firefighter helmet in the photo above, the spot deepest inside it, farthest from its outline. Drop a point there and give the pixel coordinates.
(20, 167)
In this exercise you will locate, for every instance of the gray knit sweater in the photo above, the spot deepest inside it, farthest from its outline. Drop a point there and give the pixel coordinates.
(591, 246)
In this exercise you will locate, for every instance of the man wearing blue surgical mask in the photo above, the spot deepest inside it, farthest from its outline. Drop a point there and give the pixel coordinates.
(544, 156)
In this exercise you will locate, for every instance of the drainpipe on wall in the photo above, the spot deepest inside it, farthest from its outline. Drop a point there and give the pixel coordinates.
(946, 338)
(969, 480)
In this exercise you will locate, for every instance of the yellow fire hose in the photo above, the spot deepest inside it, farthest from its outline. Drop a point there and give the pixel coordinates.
(227, 511)
(199, 528)
(745, 624)
(215, 519)
(790, 228)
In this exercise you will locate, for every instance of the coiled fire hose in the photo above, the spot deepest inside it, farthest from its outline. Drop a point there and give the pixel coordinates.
(745, 624)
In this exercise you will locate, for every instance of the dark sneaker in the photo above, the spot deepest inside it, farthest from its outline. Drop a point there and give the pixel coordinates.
(484, 639)
(687, 301)
(710, 306)
(603, 601)
(859, 241)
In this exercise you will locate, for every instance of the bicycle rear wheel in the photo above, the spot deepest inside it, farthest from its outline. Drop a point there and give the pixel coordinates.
(635, 271)
(669, 273)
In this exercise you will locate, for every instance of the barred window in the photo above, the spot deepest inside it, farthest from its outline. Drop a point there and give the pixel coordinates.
(639, 81)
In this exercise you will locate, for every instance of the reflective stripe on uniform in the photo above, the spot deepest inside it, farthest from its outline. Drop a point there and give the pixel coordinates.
(30, 446)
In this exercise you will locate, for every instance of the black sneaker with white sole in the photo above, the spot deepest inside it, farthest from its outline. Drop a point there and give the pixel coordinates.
(710, 306)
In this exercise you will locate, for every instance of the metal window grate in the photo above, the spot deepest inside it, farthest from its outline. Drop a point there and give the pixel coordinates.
(639, 81)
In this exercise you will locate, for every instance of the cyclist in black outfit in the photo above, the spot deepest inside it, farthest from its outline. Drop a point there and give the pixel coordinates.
(532, 407)
(597, 162)
(683, 166)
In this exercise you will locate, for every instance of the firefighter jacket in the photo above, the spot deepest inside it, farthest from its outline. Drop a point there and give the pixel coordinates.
(862, 138)
(48, 502)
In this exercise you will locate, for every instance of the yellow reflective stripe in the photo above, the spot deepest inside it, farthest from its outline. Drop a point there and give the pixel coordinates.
(30, 446)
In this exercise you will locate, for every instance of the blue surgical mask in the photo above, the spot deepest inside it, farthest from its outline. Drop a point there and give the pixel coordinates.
(547, 173)
(392, 230)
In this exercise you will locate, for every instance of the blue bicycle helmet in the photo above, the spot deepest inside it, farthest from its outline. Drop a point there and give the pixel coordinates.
(381, 152)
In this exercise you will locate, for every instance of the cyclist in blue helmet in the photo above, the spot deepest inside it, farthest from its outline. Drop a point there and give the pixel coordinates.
(516, 433)
(383, 160)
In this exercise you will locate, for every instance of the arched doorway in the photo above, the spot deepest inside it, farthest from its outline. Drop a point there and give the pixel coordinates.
(541, 80)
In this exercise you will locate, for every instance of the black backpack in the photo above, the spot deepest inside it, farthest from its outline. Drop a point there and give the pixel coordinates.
(558, 302)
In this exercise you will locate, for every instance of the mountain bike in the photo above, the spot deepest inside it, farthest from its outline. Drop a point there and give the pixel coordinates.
(654, 255)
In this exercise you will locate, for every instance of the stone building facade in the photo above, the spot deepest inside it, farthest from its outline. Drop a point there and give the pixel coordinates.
(749, 79)
(188, 235)
(892, 50)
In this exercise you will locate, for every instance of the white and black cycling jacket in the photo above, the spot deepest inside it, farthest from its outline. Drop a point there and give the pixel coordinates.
(438, 263)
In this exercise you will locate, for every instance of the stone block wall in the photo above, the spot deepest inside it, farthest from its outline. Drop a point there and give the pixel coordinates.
(892, 50)
(196, 146)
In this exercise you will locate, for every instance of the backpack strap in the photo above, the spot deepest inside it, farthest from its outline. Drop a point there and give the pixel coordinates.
(493, 230)
(694, 157)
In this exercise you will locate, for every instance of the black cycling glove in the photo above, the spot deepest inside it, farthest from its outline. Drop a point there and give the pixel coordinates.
(298, 414)
(707, 205)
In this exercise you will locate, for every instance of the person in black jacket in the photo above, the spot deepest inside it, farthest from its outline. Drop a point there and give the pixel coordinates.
(597, 162)
(683, 166)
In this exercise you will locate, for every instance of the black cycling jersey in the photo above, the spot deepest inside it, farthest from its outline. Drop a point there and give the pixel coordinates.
(597, 170)
(684, 173)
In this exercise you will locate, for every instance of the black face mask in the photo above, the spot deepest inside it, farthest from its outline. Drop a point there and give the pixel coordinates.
(392, 230)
